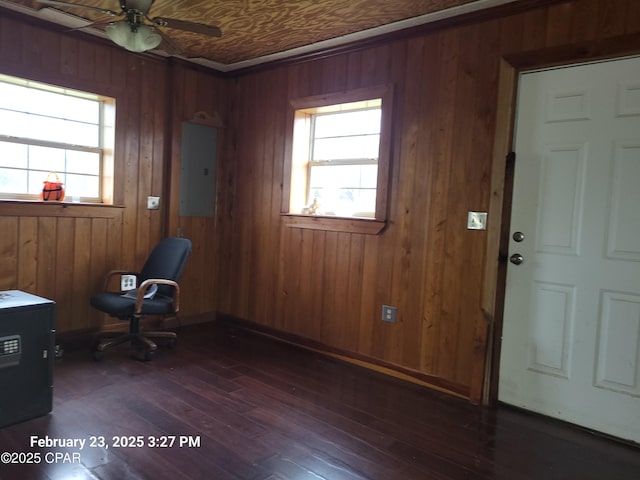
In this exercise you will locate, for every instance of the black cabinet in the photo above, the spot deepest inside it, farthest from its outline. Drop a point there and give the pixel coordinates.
(27, 337)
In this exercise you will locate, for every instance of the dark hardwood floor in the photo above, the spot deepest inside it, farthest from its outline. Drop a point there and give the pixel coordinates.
(247, 407)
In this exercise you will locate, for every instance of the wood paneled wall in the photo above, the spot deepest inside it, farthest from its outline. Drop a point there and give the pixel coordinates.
(329, 287)
(197, 98)
(60, 253)
(64, 253)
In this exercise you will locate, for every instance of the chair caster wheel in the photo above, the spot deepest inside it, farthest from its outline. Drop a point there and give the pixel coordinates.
(98, 355)
(144, 355)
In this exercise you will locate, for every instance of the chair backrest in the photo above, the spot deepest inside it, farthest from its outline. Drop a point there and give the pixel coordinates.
(167, 260)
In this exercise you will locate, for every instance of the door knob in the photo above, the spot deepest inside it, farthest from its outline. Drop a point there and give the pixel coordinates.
(516, 259)
(518, 236)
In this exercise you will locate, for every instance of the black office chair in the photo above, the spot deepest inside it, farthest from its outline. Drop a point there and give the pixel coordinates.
(161, 271)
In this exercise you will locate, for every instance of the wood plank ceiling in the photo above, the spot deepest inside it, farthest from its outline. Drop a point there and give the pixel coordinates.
(259, 29)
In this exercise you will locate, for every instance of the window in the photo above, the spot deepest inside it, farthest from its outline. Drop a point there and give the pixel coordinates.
(45, 129)
(343, 160)
(338, 161)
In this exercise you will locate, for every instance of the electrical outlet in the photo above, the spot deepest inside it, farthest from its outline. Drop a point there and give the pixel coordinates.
(127, 282)
(389, 313)
(153, 203)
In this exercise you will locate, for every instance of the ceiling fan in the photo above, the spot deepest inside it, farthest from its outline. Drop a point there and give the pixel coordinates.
(132, 32)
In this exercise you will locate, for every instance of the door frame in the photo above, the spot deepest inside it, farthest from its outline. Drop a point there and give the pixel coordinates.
(502, 169)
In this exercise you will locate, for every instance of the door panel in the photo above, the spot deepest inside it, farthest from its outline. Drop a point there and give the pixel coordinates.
(571, 334)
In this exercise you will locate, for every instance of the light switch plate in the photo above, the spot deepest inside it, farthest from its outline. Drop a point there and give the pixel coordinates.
(477, 221)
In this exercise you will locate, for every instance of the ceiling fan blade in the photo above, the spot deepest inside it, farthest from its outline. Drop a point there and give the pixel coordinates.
(142, 6)
(168, 45)
(77, 5)
(92, 25)
(187, 26)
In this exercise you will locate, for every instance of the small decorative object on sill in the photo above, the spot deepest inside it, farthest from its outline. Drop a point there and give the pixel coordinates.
(314, 207)
(52, 189)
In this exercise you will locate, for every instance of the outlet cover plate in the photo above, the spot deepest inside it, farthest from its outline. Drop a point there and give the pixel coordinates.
(127, 282)
(389, 313)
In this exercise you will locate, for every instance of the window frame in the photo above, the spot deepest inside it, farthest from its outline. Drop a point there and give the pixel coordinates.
(296, 162)
(105, 149)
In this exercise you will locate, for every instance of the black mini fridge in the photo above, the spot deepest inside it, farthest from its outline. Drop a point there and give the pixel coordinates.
(27, 337)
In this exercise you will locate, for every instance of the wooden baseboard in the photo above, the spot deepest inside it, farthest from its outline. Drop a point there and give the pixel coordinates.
(377, 365)
(83, 339)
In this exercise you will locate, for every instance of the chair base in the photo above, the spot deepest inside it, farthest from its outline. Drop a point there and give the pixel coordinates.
(145, 347)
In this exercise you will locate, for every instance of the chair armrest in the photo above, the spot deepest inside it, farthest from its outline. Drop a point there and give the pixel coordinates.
(112, 273)
(144, 286)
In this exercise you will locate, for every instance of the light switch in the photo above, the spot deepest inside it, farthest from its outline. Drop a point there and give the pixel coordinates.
(477, 221)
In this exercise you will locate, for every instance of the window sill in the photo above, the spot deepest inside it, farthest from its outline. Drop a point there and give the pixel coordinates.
(334, 224)
(38, 208)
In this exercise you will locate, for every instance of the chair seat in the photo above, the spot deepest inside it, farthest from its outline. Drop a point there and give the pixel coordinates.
(123, 307)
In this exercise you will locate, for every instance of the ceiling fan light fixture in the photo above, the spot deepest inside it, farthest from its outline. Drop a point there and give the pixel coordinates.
(118, 32)
(138, 39)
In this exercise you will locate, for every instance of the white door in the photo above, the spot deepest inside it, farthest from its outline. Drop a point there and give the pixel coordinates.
(571, 336)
